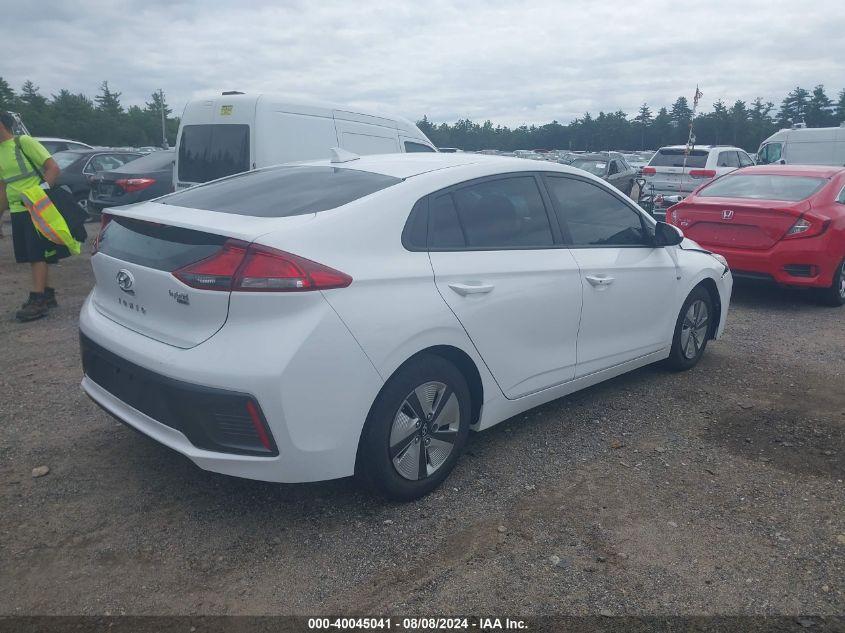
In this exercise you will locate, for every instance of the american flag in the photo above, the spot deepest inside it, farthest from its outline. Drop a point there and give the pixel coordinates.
(698, 95)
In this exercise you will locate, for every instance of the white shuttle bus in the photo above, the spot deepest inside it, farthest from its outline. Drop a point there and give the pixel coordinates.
(237, 132)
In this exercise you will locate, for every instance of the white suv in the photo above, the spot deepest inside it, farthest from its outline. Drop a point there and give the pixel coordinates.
(671, 174)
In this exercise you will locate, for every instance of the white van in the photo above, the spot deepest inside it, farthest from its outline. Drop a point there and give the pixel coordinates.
(236, 132)
(804, 146)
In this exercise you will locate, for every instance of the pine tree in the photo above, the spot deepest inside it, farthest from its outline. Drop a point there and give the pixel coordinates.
(794, 107)
(739, 124)
(644, 120)
(7, 95)
(840, 108)
(107, 101)
(819, 109)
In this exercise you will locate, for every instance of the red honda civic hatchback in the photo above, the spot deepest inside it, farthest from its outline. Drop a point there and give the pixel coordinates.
(782, 223)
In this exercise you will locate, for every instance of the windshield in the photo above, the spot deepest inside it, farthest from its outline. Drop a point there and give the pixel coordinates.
(595, 167)
(65, 159)
(763, 187)
(770, 153)
(674, 157)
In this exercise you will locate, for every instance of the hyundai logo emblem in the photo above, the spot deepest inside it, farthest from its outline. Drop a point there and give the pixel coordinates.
(125, 281)
(727, 214)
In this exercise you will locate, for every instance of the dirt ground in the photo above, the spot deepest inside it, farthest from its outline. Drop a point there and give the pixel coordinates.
(716, 491)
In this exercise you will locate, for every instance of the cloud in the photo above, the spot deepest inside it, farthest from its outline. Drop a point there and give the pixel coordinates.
(510, 61)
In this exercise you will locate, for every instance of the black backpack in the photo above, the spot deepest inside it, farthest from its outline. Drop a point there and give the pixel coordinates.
(62, 199)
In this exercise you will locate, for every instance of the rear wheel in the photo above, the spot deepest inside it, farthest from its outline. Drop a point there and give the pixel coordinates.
(692, 330)
(416, 430)
(834, 295)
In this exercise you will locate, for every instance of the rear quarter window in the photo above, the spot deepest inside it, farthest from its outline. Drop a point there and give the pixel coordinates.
(282, 191)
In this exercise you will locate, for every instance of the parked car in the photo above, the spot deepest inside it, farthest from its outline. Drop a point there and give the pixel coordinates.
(777, 223)
(79, 167)
(313, 321)
(805, 146)
(142, 179)
(237, 132)
(672, 174)
(54, 145)
(610, 166)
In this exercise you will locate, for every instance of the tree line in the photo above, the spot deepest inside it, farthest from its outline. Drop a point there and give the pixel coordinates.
(742, 124)
(103, 120)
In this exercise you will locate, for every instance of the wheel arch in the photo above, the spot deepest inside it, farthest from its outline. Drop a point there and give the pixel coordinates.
(710, 286)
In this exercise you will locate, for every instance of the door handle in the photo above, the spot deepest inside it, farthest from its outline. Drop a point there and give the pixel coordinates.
(599, 281)
(471, 288)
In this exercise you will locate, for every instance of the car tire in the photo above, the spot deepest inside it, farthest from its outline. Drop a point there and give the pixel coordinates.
(692, 330)
(834, 295)
(416, 430)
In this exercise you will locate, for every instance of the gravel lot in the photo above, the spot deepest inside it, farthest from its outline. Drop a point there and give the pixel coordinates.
(716, 491)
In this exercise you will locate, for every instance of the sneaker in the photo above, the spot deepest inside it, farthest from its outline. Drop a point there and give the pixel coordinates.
(34, 308)
(50, 297)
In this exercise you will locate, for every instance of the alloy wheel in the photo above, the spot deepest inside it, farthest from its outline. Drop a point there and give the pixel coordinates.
(694, 329)
(424, 430)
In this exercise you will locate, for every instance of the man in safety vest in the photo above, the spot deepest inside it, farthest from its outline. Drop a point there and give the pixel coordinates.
(19, 166)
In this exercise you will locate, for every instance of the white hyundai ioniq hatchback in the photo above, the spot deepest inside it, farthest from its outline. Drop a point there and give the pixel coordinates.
(360, 316)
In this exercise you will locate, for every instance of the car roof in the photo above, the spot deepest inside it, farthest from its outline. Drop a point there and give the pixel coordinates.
(707, 147)
(98, 150)
(56, 138)
(414, 164)
(819, 171)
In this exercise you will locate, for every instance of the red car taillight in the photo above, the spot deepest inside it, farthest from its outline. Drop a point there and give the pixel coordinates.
(130, 185)
(254, 268)
(104, 222)
(649, 171)
(807, 226)
(702, 173)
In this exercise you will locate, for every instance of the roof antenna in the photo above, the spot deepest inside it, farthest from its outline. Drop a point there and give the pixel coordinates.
(340, 155)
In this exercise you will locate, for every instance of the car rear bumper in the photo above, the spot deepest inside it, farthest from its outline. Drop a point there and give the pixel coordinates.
(314, 389)
(803, 263)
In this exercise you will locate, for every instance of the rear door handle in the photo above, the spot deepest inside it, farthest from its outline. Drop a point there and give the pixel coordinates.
(599, 281)
(473, 288)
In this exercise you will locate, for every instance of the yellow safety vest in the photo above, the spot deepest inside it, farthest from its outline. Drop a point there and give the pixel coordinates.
(47, 219)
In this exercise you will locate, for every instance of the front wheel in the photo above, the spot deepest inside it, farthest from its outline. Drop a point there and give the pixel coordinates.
(416, 430)
(834, 295)
(692, 330)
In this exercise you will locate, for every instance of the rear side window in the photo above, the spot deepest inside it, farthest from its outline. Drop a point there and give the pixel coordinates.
(595, 217)
(506, 213)
(208, 152)
(282, 191)
(412, 148)
(672, 157)
(763, 187)
(727, 159)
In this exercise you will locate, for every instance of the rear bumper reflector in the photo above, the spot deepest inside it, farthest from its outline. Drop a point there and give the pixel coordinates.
(212, 419)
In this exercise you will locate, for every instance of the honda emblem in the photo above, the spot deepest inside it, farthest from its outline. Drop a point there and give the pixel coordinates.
(727, 214)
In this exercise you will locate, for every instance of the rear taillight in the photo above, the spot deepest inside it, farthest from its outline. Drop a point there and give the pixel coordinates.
(134, 184)
(104, 222)
(254, 268)
(649, 171)
(807, 226)
(215, 272)
(702, 173)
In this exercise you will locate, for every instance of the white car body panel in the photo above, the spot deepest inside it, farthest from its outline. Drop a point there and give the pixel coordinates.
(316, 361)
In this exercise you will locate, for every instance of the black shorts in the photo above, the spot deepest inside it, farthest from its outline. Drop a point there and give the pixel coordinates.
(30, 246)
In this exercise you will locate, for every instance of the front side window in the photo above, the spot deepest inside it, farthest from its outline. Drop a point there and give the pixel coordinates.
(412, 148)
(506, 213)
(770, 153)
(209, 152)
(595, 217)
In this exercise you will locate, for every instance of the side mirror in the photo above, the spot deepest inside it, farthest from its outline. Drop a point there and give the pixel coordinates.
(667, 235)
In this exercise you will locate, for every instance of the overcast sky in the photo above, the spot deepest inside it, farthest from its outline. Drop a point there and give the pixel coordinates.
(512, 62)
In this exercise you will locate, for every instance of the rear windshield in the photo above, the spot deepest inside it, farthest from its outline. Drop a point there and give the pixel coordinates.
(595, 167)
(282, 191)
(763, 187)
(675, 158)
(156, 161)
(208, 152)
